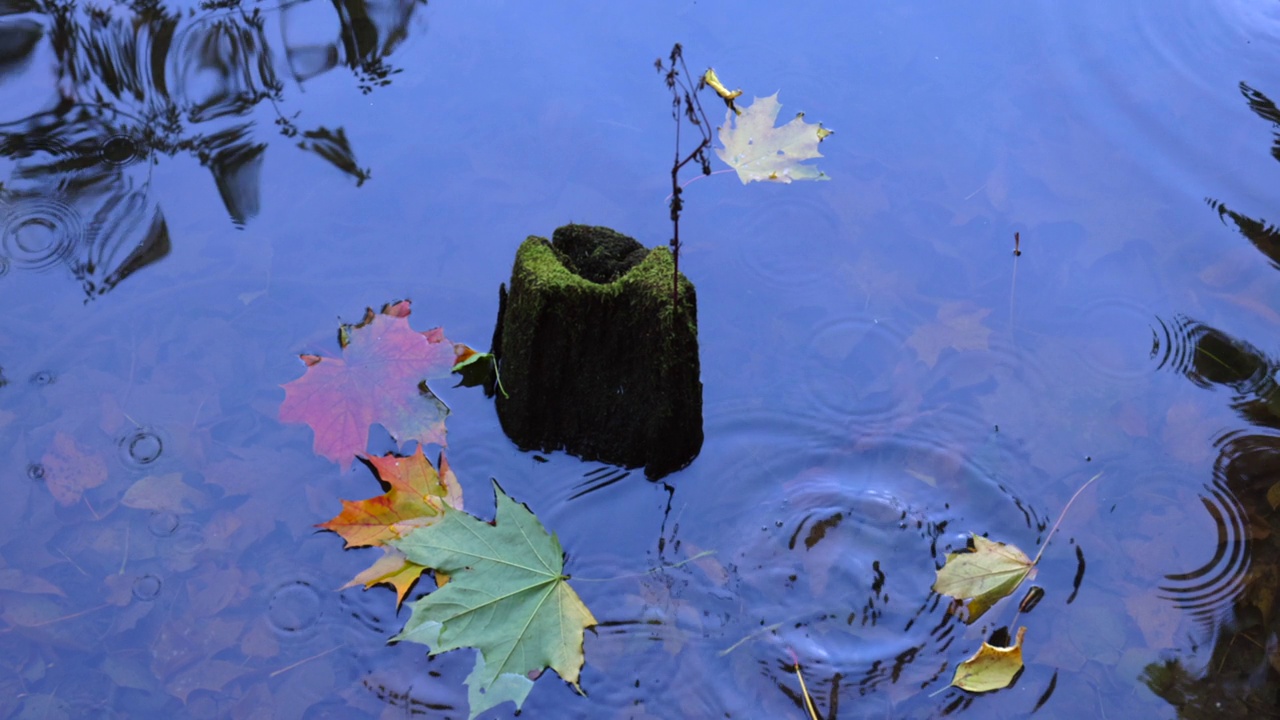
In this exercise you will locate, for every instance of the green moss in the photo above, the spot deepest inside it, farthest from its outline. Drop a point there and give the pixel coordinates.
(604, 370)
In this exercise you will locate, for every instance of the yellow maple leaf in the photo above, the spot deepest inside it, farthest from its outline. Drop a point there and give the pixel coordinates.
(991, 668)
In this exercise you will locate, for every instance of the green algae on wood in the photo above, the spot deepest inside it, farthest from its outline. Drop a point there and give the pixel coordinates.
(595, 356)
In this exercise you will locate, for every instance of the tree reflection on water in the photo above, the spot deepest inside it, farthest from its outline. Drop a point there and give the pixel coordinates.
(1237, 597)
(100, 94)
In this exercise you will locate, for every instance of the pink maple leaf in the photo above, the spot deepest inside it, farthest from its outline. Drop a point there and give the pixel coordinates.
(379, 378)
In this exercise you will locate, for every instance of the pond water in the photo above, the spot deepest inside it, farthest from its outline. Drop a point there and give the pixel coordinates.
(193, 195)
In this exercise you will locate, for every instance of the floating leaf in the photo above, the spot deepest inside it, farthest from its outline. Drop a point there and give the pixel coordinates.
(416, 496)
(507, 596)
(379, 378)
(983, 575)
(759, 151)
(991, 668)
(477, 368)
(507, 687)
(393, 569)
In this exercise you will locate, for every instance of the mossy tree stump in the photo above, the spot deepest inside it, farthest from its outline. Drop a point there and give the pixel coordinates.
(595, 358)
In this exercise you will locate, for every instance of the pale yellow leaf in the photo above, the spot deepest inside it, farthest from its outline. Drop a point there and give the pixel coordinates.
(759, 151)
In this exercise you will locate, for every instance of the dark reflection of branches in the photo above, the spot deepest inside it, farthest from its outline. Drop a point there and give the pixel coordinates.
(1242, 677)
(136, 81)
(1264, 236)
(1262, 106)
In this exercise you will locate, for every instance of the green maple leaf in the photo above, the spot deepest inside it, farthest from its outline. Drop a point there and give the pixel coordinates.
(984, 575)
(760, 151)
(507, 596)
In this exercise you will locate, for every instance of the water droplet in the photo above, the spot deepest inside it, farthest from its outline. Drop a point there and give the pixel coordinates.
(141, 447)
(39, 232)
(35, 471)
(146, 588)
(44, 377)
(187, 540)
(162, 524)
(295, 607)
(119, 150)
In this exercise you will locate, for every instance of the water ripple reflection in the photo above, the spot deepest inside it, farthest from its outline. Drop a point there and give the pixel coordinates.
(1207, 592)
(836, 562)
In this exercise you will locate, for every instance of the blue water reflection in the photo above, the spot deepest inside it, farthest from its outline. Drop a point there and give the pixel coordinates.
(882, 376)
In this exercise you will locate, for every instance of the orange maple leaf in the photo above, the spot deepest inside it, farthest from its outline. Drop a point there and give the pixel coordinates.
(415, 497)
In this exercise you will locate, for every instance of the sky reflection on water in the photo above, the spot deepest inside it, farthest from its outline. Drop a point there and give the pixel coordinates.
(875, 360)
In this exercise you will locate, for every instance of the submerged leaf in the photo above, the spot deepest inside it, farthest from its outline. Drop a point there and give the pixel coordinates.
(507, 596)
(69, 471)
(991, 668)
(760, 151)
(984, 575)
(379, 378)
(958, 327)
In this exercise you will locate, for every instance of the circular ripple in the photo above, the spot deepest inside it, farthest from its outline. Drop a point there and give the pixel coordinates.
(147, 588)
(295, 608)
(181, 546)
(1208, 356)
(39, 232)
(44, 377)
(788, 241)
(1116, 339)
(120, 150)
(1208, 591)
(162, 523)
(35, 471)
(848, 367)
(835, 555)
(140, 447)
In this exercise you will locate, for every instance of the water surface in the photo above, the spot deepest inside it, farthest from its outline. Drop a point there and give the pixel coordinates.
(192, 195)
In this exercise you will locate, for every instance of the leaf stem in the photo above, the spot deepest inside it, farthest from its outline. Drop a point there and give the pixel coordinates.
(1061, 515)
(808, 701)
(650, 571)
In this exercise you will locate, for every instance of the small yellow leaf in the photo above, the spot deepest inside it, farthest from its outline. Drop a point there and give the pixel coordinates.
(713, 82)
(991, 668)
(1273, 496)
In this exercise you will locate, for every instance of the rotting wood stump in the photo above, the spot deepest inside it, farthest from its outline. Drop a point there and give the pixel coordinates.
(595, 357)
